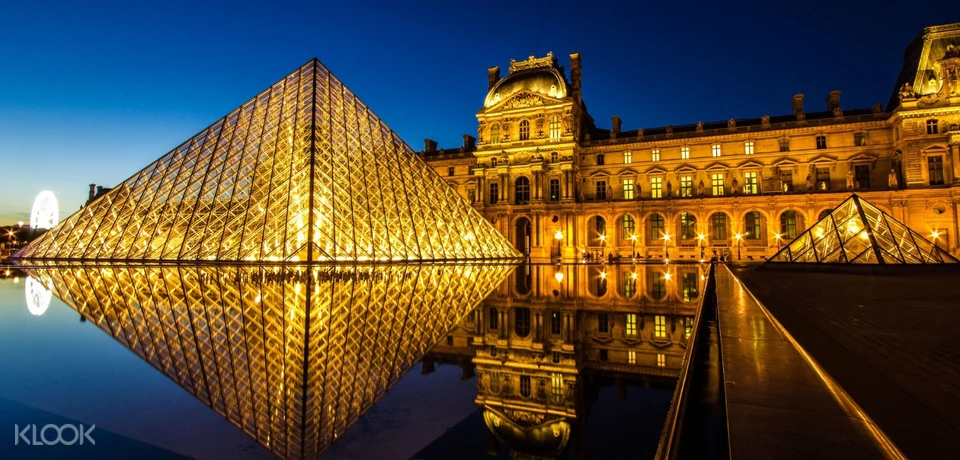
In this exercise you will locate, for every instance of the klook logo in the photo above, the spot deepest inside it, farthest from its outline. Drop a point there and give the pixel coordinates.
(51, 435)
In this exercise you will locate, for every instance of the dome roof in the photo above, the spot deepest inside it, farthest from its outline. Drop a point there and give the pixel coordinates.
(548, 81)
(544, 439)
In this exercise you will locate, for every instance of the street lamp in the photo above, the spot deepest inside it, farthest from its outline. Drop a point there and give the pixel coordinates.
(739, 238)
(777, 237)
(701, 237)
(936, 238)
(633, 251)
(559, 237)
(666, 249)
(603, 244)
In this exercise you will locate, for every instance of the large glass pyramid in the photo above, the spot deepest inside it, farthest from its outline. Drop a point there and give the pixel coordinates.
(304, 171)
(858, 232)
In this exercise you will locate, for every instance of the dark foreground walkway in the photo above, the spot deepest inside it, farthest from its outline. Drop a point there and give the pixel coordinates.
(779, 403)
(892, 342)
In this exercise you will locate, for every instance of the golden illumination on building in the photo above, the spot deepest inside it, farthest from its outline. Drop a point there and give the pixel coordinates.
(292, 355)
(304, 171)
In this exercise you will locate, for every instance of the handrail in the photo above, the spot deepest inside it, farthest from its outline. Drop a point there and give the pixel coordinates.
(669, 437)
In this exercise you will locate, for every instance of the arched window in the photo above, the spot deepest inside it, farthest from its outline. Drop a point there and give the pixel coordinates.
(719, 222)
(522, 321)
(752, 226)
(555, 127)
(629, 228)
(525, 130)
(656, 229)
(688, 226)
(521, 191)
(495, 134)
(788, 225)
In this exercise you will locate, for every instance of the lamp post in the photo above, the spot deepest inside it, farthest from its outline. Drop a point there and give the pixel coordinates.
(603, 245)
(777, 237)
(559, 237)
(701, 237)
(936, 238)
(633, 250)
(666, 248)
(739, 238)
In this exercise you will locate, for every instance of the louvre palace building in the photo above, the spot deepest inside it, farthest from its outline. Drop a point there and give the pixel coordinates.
(558, 185)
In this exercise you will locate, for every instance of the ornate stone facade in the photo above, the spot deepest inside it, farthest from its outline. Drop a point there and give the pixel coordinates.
(556, 184)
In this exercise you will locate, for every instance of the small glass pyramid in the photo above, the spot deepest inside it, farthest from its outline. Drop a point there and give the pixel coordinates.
(304, 171)
(858, 232)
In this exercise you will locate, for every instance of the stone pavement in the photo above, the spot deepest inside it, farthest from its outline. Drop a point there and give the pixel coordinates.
(891, 341)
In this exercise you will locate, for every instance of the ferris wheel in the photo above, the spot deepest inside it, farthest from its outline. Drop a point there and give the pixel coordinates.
(38, 296)
(45, 213)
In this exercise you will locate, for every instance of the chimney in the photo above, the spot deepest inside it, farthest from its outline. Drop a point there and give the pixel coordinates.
(575, 74)
(429, 145)
(615, 121)
(833, 100)
(493, 76)
(92, 193)
(99, 190)
(797, 104)
(469, 142)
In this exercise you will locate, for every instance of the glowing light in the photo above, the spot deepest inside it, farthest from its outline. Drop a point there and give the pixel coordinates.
(633, 275)
(865, 235)
(777, 236)
(603, 238)
(819, 232)
(603, 275)
(38, 296)
(633, 237)
(935, 234)
(559, 277)
(666, 237)
(558, 236)
(667, 276)
(700, 236)
(738, 236)
(666, 261)
(45, 213)
(19, 223)
(702, 261)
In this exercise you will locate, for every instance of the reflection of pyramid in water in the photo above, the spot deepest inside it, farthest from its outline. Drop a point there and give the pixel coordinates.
(858, 232)
(293, 355)
(304, 171)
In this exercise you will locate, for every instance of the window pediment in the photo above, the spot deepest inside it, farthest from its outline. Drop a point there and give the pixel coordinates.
(656, 171)
(750, 165)
(600, 174)
(718, 167)
(685, 169)
(823, 160)
(862, 158)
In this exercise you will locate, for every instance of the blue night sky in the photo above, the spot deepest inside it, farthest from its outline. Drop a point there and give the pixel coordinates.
(91, 92)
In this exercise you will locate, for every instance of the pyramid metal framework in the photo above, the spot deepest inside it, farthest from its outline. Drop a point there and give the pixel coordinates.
(292, 355)
(860, 233)
(304, 171)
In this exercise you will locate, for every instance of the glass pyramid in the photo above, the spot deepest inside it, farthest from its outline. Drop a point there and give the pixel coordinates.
(293, 355)
(858, 232)
(304, 171)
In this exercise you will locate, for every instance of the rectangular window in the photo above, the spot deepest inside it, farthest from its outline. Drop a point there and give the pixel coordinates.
(525, 386)
(862, 175)
(555, 127)
(556, 387)
(748, 147)
(554, 189)
(750, 186)
(631, 324)
(719, 222)
(716, 150)
(935, 168)
(554, 157)
(627, 157)
(599, 159)
(784, 145)
(450, 171)
(690, 289)
(656, 187)
(823, 179)
(660, 326)
(494, 319)
(603, 326)
(661, 360)
(629, 286)
(603, 354)
(449, 340)
(716, 183)
(751, 226)
(687, 327)
(686, 186)
(628, 189)
(494, 193)
(684, 153)
(860, 139)
(659, 288)
(933, 127)
(821, 142)
(786, 179)
(655, 155)
(631, 357)
(601, 190)
(555, 321)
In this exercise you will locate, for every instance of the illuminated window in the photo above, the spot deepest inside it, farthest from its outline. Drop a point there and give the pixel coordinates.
(748, 147)
(522, 323)
(655, 155)
(494, 378)
(494, 193)
(823, 178)
(659, 288)
(690, 288)
(554, 189)
(661, 360)
(716, 150)
(555, 127)
(860, 139)
(494, 320)
(933, 127)
(786, 178)
(525, 386)
(450, 171)
(656, 187)
(750, 183)
(719, 223)
(555, 322)
(687, 327)
(495, 134)
(784, 145)
(627, 157)
(821, 142)
(629, 287)
(628, 189)
(686, 186)
(493, 162)
(603, 326)
(521, 190)
(631, 324)
(862, 175)
(788, 225)
(684, 153)
(556, 387)
(688, 226)
(629, 227)
(599, 159)
(716, 181)
(554, 157)
(631, 357)
(601, 189)
(656, 226)
(660, 326)
(751, 225)
(524, 130)
(935, 169)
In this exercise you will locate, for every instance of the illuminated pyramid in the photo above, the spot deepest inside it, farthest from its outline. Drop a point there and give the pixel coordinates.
(304, 171)
(857, 232)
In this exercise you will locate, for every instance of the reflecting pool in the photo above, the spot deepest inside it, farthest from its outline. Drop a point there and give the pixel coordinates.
(537, 361)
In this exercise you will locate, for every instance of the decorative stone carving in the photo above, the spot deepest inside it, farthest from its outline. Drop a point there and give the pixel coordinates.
(522, 100)
(568, 123)
(533, 62)
(732, 124)
(892, 180)
(735, 186)
(700, 127)
(809, 183)
(669, 130)
(480, 128)
(640, 132)
(877, 108)
(850, 184)
(837, 112)
(801, 116)
(906, 91)
(765, 121)
(700, 188)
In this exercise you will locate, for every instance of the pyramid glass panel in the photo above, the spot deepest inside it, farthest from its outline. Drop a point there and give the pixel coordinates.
(859, 232)
(304, 171)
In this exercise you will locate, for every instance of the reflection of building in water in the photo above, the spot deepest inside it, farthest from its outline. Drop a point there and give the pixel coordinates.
(292, 356)
(542, 342)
